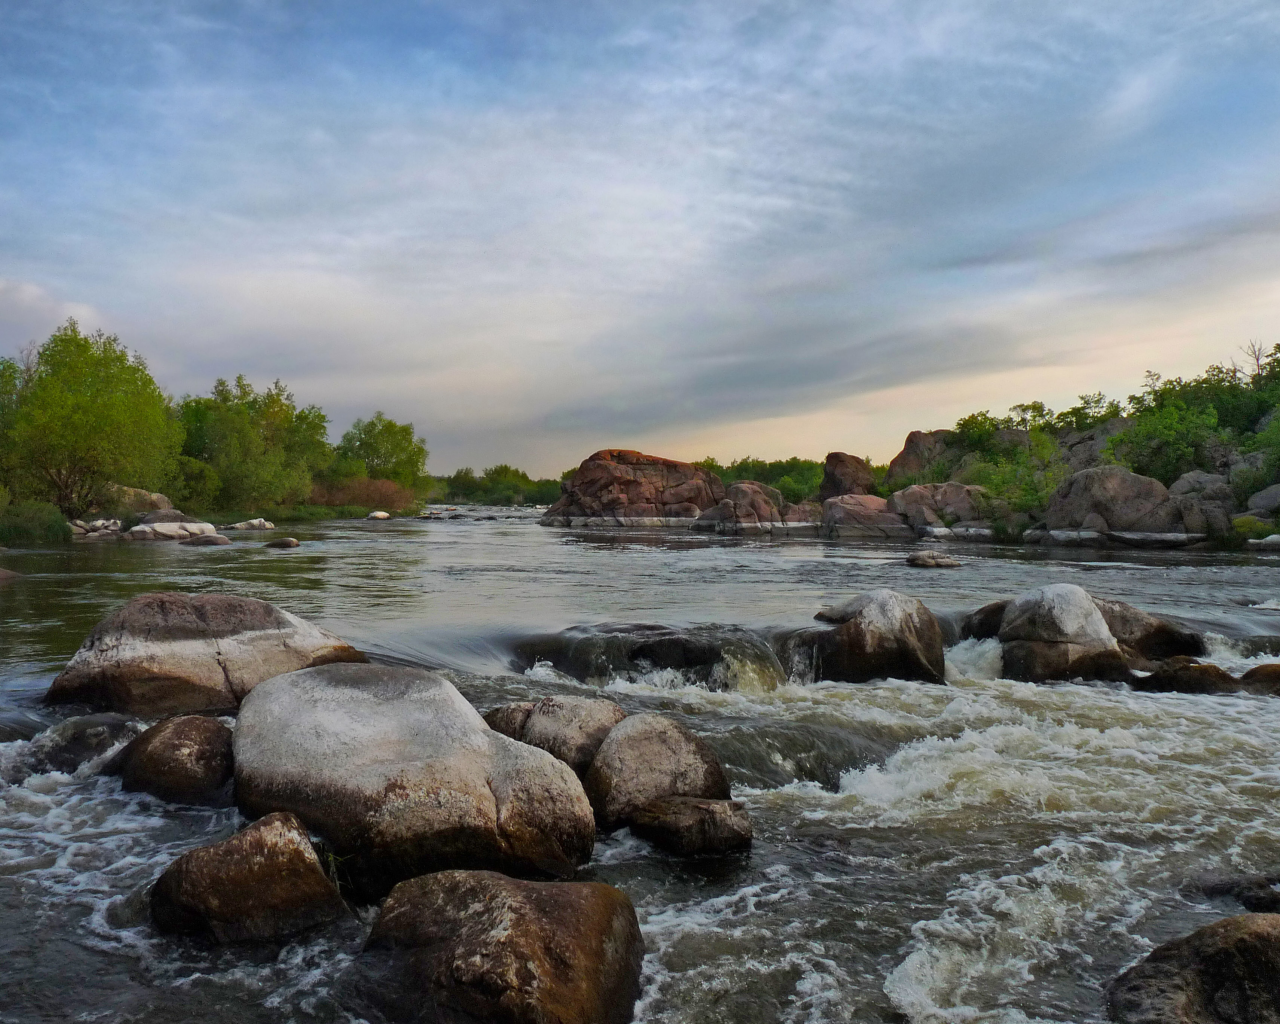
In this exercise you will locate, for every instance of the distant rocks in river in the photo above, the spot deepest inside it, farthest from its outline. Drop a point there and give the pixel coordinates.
(881, 634)
(168, 524)
(629, 487)
(253, 524)
(750, 507)
(207, 540)
(166, 653)
(378, 515)
(928, 559)
(282, 542)
(864, 517)
(1057, 632)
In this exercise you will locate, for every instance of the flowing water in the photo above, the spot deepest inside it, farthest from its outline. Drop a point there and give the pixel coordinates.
(982, 851)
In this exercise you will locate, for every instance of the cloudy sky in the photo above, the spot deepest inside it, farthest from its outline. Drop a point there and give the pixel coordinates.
(540, 228)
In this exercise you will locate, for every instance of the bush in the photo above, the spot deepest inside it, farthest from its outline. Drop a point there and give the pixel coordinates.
(380, 494)
(31, 524)
(1026, 477)
(1164, 442)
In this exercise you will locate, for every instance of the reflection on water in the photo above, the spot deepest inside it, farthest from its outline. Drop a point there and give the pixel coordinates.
(985, 851)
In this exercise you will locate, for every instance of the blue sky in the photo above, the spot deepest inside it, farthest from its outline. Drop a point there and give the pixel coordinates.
(539, 229)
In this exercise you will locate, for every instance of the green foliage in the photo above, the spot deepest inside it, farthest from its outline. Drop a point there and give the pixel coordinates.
(29, 524)
(84, 413)
(499, 485)
(1093, 410)
(1252, 528)
(978, 432)
(5, 498)
(1164, 441)
(1026, 476)
(389, 450)
(798, 479)
(196, 486)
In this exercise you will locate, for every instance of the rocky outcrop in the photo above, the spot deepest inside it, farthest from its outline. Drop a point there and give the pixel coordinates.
(881, 635)
(395, 769)
(845, 474)
(750, 507)
(570, 728)
(169, 524)
(1144, 636)
(694, 827)
(184, 760)
(135, 499)
(1058, 633)
(1126, 503)
(1083, 448)
(1225, 973)
(262, 884)
(167, 653)
(864, 516)
(478, 946)
(620, 486)
(921, 451)
(645, 758)
(924, 505)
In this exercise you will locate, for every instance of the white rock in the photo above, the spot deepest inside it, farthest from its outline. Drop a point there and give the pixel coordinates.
(253, 524)
(378, 515)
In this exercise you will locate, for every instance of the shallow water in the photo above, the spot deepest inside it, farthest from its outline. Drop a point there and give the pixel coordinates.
(983, 851)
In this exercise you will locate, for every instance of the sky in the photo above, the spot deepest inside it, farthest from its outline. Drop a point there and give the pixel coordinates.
(702, 228)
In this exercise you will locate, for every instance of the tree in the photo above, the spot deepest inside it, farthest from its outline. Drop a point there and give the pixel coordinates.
(83, 414)
(389, 450)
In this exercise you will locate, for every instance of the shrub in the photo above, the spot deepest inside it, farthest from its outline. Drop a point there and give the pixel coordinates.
(1164, 442)
(30, 524)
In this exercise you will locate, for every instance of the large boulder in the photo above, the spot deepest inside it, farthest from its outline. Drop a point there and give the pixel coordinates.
(167, 653)
(1083, 448)
(569, 728)
(1265, 502)
(880, 635)
(645, 758)
(394, 768)
(1056, 633)
(169, 524)
(845, 474)
(1146, 636)
(1186, 675)
(477, 946)
(135, 499)
(186, 760)
(1124, 502)
(261, 884)
(921, 451)
(863, 516)
(1225, 973)
(694, 827)
(940, 504)
(617, 484)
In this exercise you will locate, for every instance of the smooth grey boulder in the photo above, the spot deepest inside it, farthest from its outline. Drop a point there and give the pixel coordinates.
(571, 728)
(394, 768)
(1124, 501)
(690, 826)
(881, 634)
(1057, 633)
(1225, 973)
(262, 884)
(475, 946)
(1266, 501)
(645, 758)
(185, 760)
(1138, 632)
(167, 653)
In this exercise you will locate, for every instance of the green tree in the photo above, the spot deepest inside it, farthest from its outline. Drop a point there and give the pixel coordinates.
(1164, 441)
(83, 414)
(389, 450)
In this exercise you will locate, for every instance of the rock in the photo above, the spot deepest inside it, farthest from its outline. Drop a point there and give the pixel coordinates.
(616, 484)
(1269, 543)
(693, 827)
(845, 474)
(1262, 679)
(882, 635)
(166, 653)
(1144, 634)
(1095, 523)
(185, 760)
(261, 884)
(253, 524)
(1057, 632)
(1125, 501)
(1083, 449)
(169, 524)
(509, 719)
(66, 746)
(8, 575)
(984, 623)
(1207, 486)
(395, 769)
(135, 499)
(378, 515)
(746, 506)
(1245, 467)
(282, 542)
(1186, 675)
(645, 758)
(863, 516)
(1256, 893)
(931, 560)
(1225, 973)
(571, 728)
(1266, 502)
(478, 946)
(919, 453)
(207, 540)
(940, 504)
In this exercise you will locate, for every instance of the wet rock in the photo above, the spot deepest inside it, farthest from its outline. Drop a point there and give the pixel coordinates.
(845, 474)
(571, 728)
(207, 540)
(167, 653)
(882, 635)
(282, 542)
(394, 768)
(863, 516)
(262, 884)
(378, 515)
(617, 484)
(1262, 679)
(1186, 675)
(983, 623)
(1225, 973)
(694, 827)
(8, 575)
(1144, 634)
(1057, 632)
(184, 760)
(67, 745)
(478, 946)
(645, 758)
(940, 504)
(1258, 894)
(714, 656)
(509, 719)
(931, 560)
(169, 524)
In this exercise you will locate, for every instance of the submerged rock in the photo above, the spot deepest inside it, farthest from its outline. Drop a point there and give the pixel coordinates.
(1186, 675)
(184, 760)
(932, 560)
(845, 474)
(645, 758)
(394, 768)
(478, 946)
(207, 540)
(617, 484)
(1058, 633)
(1225, 973)
(282, 542)
(261, 884)
(882, 635)
(165, 653)
(66, 746)
(694, 827)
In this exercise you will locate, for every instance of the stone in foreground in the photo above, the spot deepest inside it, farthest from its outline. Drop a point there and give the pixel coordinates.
(645, 758)
(477, 946)
(66, 746)
(262, 884)
(1225, 973)
(882, 635)
(1058, 633)
(184, 760)
(395, 769)
(571, 728)
(693, 827)
(167, 653)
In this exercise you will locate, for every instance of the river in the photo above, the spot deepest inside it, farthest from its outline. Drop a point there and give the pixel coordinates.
(985, 851)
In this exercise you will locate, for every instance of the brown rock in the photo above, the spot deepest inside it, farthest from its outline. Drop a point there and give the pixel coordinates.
(1263, 679)
(184, 760)
(1186, 675)
(1152, 638)
(647, 757)
(571, 728)
(1225, 973)
(1124, 501)
(931, 560)
(8, 575)
(882, 635)
(261, 884)
(509, 719)
(984, 623)
(940, 504)
(845, 474)
(478, 946)
(282, 542)
(619, 484)
(1058, 633)
(863, 515)
(207, 540)
(919, 452)
(694, 827)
